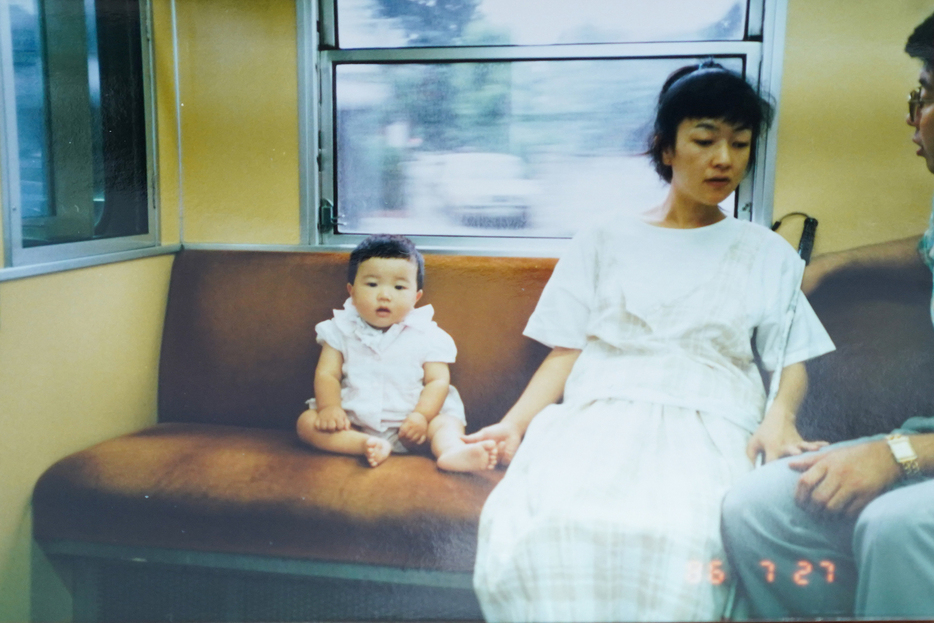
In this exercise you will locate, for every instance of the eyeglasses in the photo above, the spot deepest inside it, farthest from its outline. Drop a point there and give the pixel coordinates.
(915, 103)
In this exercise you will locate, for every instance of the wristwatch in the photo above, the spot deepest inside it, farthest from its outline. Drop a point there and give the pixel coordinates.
(904, 455)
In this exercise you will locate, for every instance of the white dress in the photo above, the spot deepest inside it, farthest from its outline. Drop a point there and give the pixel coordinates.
(610, 510)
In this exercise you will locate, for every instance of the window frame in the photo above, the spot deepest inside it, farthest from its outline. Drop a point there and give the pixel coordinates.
(26, 261)
(761, 53)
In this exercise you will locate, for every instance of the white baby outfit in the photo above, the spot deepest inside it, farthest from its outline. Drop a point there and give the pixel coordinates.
(382, 374)
(610, 510)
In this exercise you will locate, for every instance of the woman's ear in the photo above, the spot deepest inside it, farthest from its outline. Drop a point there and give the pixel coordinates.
(418, 295)
(350, 289)
(666, 152)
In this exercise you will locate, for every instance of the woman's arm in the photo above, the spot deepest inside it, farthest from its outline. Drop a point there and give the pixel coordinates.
(777, 435)
(545, 388)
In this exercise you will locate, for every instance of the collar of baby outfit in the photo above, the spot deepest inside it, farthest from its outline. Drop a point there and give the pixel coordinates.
(349, 321)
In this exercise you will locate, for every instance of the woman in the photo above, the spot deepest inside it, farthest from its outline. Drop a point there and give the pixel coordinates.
(610, 509)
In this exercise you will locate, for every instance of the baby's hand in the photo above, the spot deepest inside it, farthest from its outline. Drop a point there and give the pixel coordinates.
(332, 419)
(414, 429)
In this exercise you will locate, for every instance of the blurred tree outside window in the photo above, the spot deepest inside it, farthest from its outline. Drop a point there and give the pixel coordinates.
(505, 118)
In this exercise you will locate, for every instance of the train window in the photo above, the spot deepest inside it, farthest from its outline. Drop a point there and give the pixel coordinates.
(75, 121)
(409, 23)
(470, 123)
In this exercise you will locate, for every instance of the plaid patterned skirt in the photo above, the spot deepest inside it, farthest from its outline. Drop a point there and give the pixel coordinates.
(611, 512)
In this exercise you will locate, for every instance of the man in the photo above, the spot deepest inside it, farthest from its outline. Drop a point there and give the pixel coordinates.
(858, 515)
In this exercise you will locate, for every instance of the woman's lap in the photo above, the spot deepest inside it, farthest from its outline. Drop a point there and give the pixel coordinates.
(610, 512)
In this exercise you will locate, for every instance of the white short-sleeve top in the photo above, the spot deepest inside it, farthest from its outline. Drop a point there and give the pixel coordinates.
(382, 370)
(670, 315)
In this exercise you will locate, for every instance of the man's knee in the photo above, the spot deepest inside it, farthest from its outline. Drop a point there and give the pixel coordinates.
(757, 499)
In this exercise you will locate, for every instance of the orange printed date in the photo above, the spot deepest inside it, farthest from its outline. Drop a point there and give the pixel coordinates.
(802, 574)
(712, 572)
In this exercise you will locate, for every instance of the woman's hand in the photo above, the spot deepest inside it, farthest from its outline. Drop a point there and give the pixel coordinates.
(778, 437)
(506, 436)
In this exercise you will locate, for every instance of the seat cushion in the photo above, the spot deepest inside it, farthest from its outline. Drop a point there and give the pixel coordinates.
(255, 491)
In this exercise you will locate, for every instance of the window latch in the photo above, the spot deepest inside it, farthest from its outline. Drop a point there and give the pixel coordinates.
(326, 217)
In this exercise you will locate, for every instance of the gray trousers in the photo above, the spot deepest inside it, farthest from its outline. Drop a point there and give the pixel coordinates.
(792, 564)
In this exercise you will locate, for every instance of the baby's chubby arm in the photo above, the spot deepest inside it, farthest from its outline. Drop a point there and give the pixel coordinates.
(437, 380)
(328, 374)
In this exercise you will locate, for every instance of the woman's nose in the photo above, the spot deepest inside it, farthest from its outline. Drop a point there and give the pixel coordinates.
(722, 156)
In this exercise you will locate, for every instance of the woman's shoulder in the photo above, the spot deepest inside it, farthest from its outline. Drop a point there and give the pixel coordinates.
(768, 241)
(774, 259)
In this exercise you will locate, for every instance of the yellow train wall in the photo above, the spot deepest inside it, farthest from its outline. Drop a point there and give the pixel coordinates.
(79, 349)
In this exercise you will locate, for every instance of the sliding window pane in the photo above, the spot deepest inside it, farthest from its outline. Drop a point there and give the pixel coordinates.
(415, 23)
(80, 119)
(523, 148)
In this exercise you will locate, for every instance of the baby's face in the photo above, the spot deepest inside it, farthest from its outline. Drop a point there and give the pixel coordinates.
(385, 290)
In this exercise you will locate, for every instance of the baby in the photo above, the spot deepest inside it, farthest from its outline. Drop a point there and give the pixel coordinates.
(382, 384)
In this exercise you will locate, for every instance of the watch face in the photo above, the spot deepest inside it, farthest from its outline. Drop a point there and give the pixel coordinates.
(902, 449)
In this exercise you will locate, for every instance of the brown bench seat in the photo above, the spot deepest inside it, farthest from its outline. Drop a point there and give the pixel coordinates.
(223, 479)
(219, 502)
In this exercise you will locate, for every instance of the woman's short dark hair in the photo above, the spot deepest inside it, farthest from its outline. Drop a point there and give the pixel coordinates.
(389, 247)
(705, 91)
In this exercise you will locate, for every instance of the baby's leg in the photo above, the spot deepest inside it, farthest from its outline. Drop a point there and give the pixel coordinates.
(353, 442)
(453, 454)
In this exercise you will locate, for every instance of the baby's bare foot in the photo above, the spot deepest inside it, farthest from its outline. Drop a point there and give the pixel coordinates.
(471, 457)
(377, 450)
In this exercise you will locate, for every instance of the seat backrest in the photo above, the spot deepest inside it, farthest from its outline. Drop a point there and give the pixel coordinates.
(880, 374)
(239, 345)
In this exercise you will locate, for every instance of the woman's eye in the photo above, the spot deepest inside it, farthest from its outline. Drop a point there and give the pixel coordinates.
(741, 145)
(703, 142)
(400, 287)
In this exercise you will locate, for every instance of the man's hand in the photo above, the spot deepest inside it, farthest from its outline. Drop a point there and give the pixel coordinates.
(332, 419)
(843, 481)
(414, 429)
(507, 439)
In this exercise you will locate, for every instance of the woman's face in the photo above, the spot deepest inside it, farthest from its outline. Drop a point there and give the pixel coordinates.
(708, 160)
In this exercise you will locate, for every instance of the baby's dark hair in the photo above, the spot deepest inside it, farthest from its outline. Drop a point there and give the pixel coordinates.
(705, 91)
(920, 43)
(385, 246)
